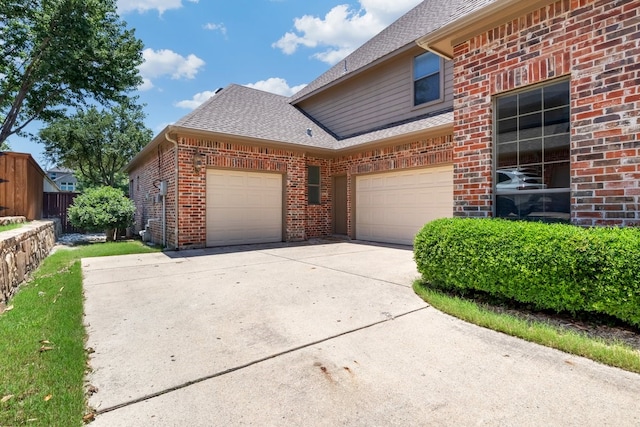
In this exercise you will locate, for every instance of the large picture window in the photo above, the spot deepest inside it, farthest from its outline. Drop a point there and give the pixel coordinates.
(426, 78)
(532, 140)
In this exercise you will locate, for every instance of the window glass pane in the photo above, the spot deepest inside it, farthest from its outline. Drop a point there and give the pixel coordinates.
(530, 126)
(556, 142)
(314, 175)
(556, 121)
(530, 151)
(425, 65)
(427, 89)
(556, 148)
(507, 130)
(507, 107)
(508, 155)
(556, 95)
(314, 195)
(557, 175)
(530, 101)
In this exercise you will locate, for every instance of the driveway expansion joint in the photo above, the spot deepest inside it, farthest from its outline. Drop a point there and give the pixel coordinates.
(388, 318)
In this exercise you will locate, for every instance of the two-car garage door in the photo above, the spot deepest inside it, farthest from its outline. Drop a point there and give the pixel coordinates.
(247, 207)
(243, 207)
(392, 207)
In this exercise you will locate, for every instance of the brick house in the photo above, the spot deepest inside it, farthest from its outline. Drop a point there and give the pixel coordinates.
(468, 108)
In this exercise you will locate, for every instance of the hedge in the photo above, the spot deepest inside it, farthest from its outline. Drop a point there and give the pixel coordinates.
(550, 266)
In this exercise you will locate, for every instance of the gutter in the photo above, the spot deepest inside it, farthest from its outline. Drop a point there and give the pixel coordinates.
(164, 213)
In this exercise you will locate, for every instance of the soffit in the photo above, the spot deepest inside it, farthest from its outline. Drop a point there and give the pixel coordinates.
(443, 40)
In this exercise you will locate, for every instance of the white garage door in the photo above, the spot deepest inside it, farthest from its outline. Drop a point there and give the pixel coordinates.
(392, 207)
(243, 207)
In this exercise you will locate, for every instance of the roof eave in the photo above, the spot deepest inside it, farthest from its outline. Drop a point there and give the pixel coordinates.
(254, 140)
(158, 139)
(443, 40)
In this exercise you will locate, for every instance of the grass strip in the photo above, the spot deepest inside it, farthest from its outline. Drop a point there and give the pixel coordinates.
(615, 354)
(8, 227)
(42, 340)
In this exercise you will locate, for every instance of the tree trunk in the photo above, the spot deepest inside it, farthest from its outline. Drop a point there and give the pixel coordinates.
(112, 234)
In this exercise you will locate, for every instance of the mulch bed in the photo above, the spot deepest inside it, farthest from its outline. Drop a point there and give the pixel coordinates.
(593, 325)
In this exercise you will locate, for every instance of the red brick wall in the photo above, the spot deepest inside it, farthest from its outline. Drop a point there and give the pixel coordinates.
(158, 166)
(596, 44)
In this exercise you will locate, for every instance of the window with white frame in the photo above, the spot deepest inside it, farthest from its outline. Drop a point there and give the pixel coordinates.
(532, 145)
(67, 186)
(427, 80)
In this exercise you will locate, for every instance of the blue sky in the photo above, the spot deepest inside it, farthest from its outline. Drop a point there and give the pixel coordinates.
(193, 47)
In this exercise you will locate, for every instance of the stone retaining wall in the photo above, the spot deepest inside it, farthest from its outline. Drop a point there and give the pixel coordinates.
(6, 220)
(21, 252)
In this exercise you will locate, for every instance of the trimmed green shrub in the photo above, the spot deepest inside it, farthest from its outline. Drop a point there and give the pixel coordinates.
(550, 266)
(102, 209)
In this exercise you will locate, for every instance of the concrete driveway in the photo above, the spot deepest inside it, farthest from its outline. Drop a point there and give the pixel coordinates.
(320, 334)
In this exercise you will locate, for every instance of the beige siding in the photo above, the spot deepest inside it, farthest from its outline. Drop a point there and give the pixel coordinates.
(377, 97)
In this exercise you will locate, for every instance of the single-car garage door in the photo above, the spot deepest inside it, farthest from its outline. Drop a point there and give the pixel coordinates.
(243, 207)
(392, 207)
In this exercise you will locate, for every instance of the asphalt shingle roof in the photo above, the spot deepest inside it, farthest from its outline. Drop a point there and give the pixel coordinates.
(242, 111)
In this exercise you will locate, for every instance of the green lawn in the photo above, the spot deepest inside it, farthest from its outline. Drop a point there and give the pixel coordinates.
(615, 354)
(42, 337)
(11, 226)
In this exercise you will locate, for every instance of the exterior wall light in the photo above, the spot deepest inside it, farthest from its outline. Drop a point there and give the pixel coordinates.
(199, 159)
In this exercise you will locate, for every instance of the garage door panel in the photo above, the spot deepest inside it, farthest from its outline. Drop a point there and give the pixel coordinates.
(392, 207)
(243, 207)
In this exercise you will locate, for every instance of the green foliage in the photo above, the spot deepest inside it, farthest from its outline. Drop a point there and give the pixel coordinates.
(97, 144)
(551, 266)
(62, 53)
(101, 208)
(4, 146)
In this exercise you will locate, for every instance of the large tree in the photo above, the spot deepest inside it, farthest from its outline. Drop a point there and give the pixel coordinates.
(62, 53)
(97, 144)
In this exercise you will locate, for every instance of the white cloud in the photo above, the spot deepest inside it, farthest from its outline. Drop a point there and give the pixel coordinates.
(216, 27)
(197, 99)
(276, 85)
(141, 6)
(342, 29)
(166, 62)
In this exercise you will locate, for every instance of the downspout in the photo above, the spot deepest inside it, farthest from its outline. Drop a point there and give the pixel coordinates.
(164, 221)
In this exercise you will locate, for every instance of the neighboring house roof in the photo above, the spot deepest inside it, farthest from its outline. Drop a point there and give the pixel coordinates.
(60, 169)
(425, 18)
(251, 113)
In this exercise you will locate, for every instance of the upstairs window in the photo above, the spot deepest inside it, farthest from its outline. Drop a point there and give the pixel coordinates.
(426, 78)
(313, 185)
(67, 186)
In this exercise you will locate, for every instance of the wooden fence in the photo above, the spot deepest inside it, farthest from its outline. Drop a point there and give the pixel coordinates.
(55, 205)
(21, 181)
